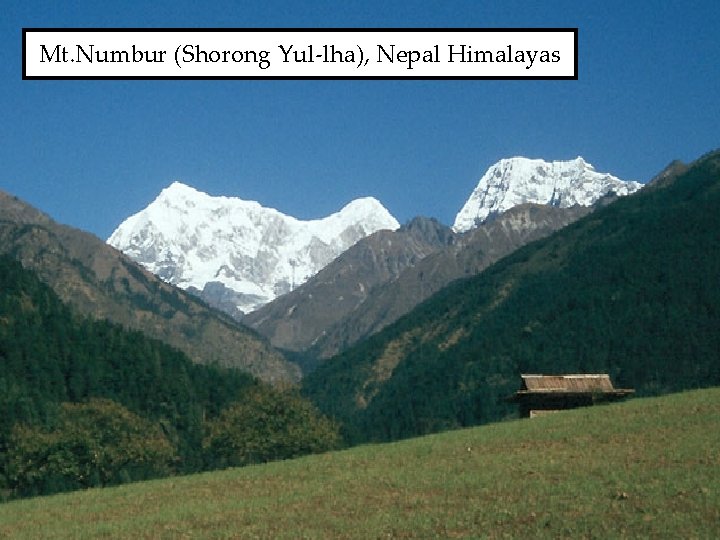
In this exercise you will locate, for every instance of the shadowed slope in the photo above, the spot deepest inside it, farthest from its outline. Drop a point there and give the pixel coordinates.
(99, 281)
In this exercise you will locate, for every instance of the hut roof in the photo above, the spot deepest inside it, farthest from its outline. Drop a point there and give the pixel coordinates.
(569, 384)
(565, 383)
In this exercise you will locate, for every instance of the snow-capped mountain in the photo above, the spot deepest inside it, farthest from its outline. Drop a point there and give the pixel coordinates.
(519, 180)
(238, 249)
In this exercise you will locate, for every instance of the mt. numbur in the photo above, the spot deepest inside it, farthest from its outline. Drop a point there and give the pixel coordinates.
(237, 254)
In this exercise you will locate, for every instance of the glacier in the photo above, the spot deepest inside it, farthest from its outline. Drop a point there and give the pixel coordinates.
(196, 241)
(518, 180)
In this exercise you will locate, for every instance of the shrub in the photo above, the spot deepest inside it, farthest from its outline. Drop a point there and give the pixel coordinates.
(97, 443)
(268, 425)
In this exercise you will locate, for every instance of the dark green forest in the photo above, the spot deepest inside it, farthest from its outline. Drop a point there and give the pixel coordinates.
(632, 290)
(87, 403)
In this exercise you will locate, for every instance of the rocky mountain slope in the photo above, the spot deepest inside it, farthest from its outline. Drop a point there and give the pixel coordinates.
(236, 253)
(468, 255)
(519, 180)
(298, 319)
(99, 281)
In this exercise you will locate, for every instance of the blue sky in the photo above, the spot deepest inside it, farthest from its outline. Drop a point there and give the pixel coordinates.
(90, 153)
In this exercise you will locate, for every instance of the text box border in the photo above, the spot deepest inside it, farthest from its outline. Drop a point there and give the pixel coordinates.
(573, 77)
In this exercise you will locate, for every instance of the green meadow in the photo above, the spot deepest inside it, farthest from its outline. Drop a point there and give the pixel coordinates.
(646, 468)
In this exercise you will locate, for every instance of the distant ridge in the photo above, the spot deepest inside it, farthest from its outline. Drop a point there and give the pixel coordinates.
(466, 256)
(385, 275)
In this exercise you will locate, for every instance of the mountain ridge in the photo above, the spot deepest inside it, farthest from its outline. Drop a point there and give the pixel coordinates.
(238, 255)
(356, 296)
(508, 221)
(468, 255)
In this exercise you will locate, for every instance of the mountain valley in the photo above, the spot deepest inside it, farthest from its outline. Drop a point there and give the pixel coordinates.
(315, 288)
(355, 296)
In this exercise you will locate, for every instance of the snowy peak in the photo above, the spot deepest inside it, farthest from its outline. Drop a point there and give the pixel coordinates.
(239, 249)
(365, 207)
(179, 190)
(520, 180)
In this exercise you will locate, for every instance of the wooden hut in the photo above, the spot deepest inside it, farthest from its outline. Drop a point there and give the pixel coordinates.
(543, 394)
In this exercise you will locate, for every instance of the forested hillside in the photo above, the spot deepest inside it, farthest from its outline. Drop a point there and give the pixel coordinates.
(74, 392)
(631, 290)
(100, 282)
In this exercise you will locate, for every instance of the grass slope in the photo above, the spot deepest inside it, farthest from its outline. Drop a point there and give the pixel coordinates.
(648, 468)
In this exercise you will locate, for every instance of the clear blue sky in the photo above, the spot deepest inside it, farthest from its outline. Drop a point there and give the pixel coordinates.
(90, 153)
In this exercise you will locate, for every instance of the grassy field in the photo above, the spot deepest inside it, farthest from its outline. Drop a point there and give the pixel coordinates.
(647, 468)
